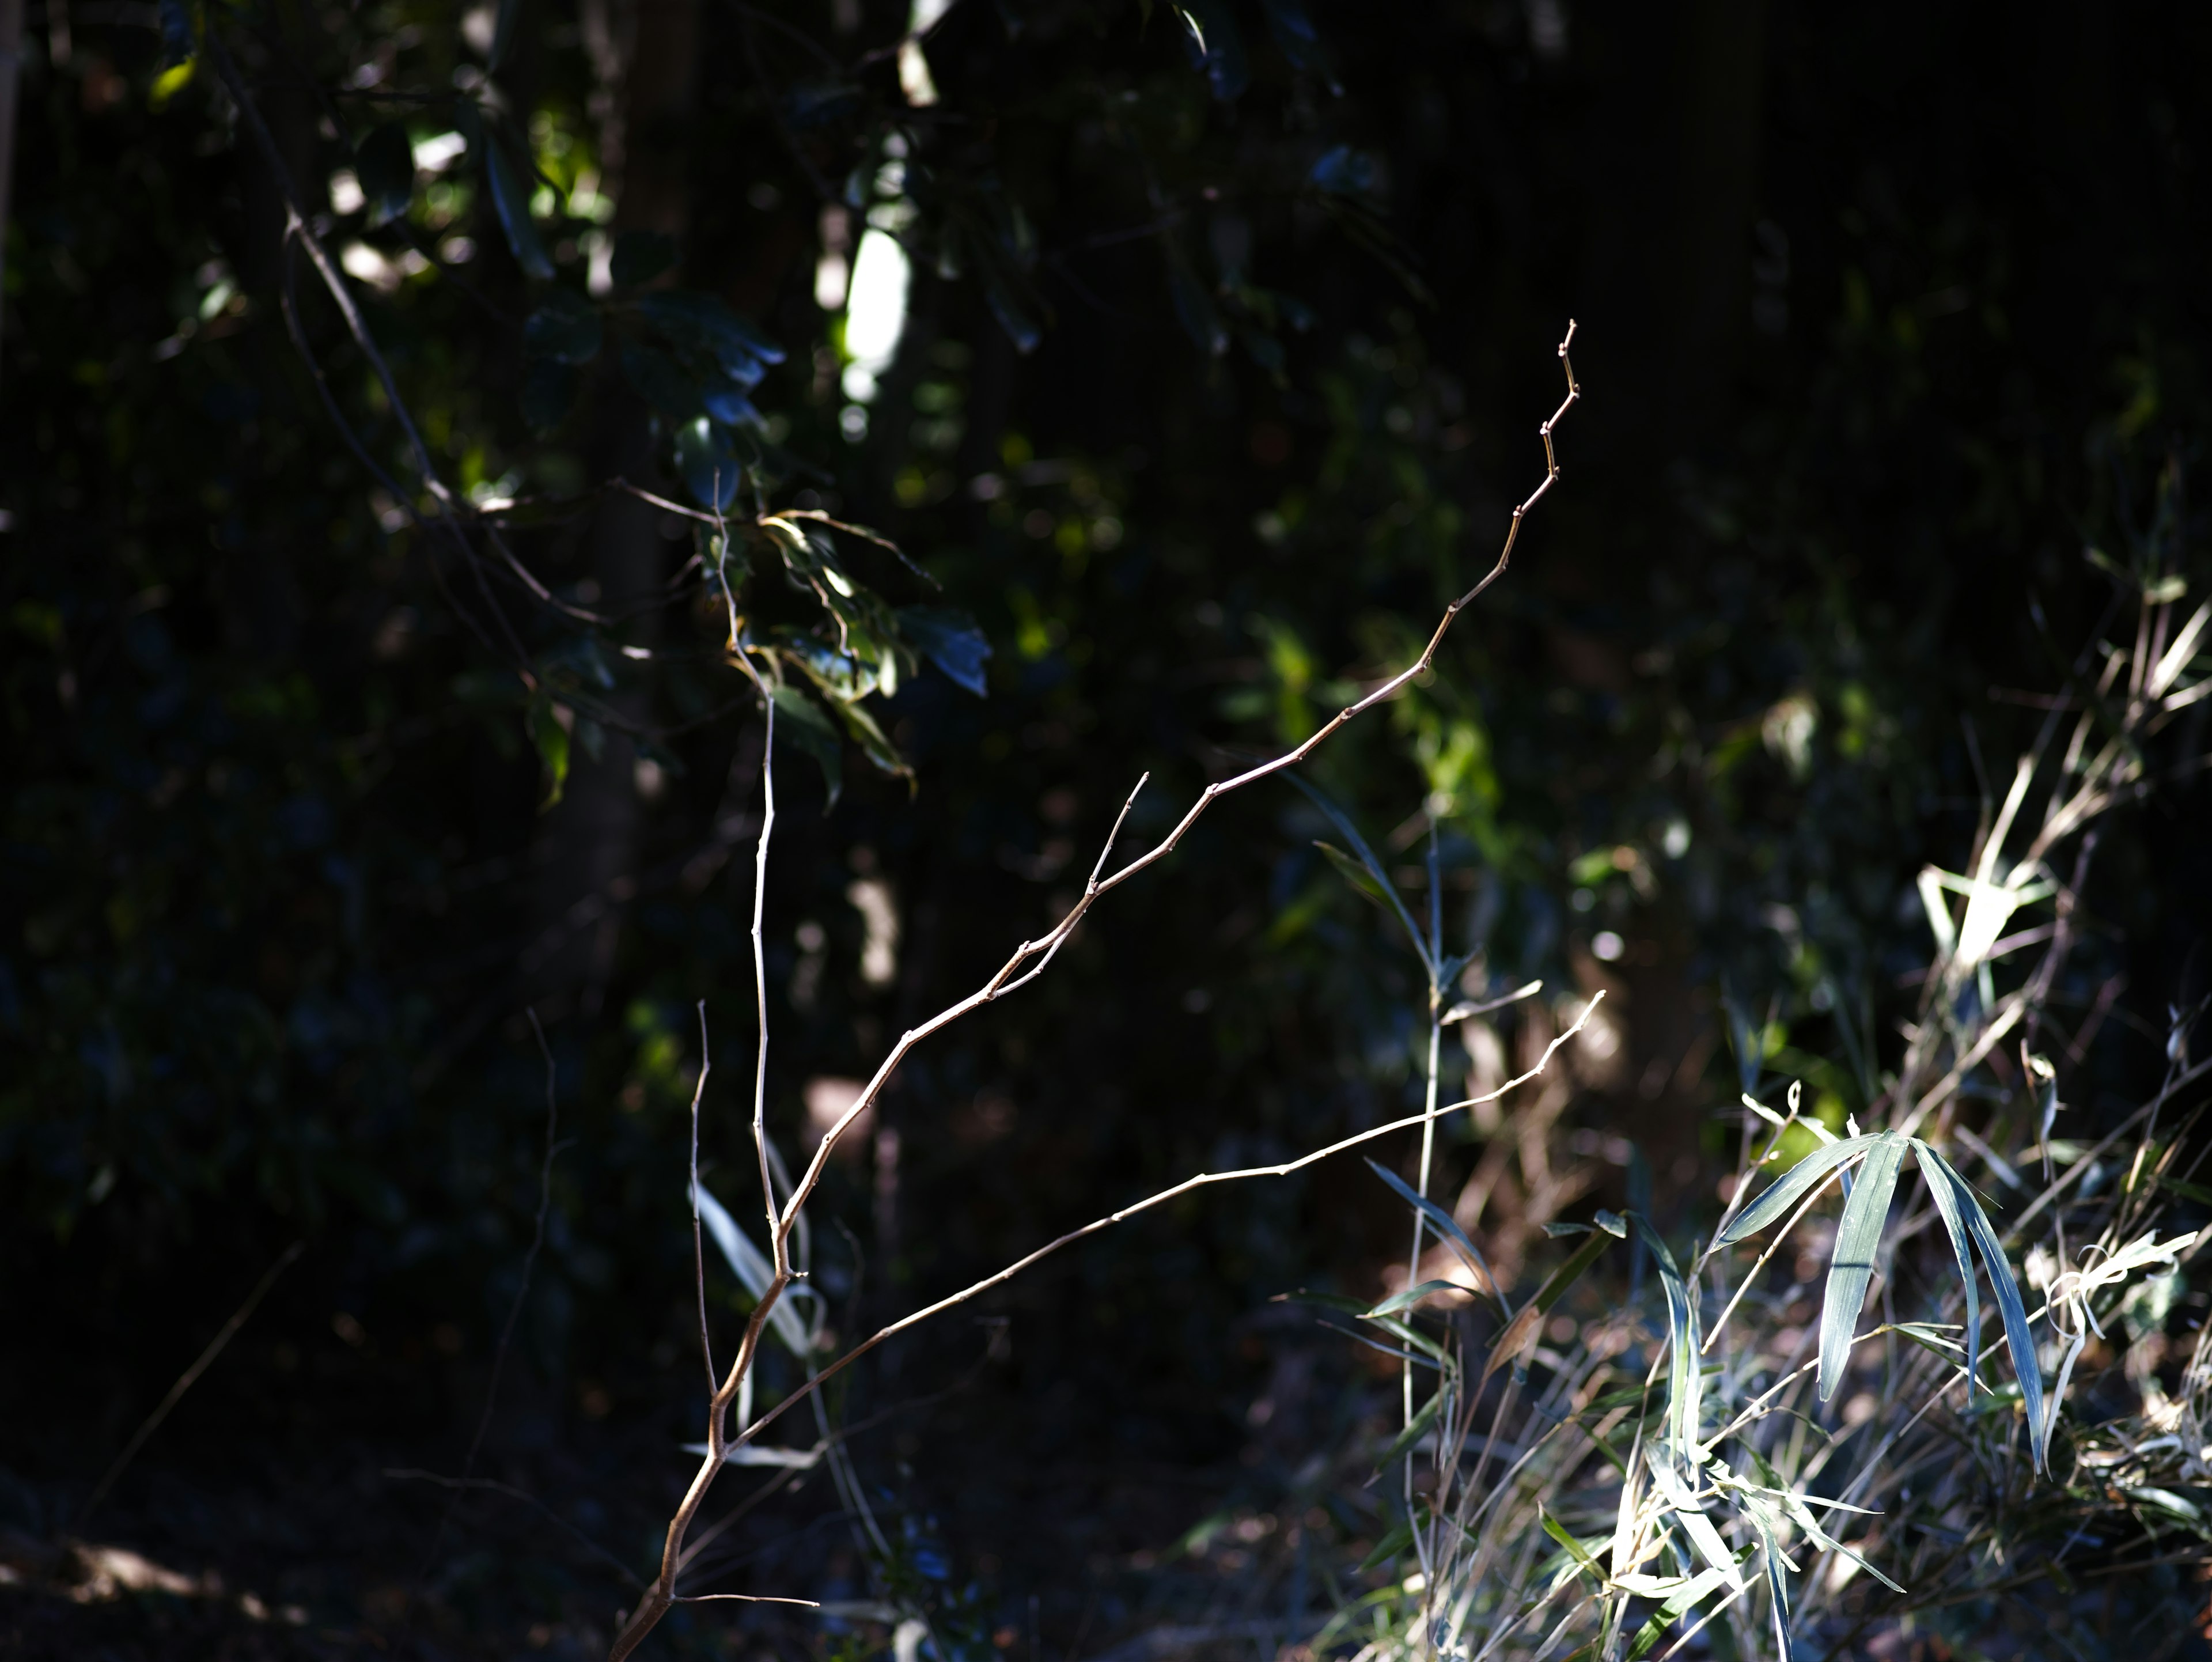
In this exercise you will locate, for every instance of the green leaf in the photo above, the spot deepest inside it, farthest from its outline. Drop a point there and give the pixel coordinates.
(2188, 1191)
(1850, 1267)
(1357, 877)
(1560, 1533)
(874, 743)
(1946, 1207)
(640, 256)
(1684, 1379)
(1520, 1334)
(565, 327)
(1342, 821)
(1411, 1296)
(1769, 1551)
(1396, 1539)
(1671, 1610)
(950, 640)
(384, 162)
(2009, 1306)
(1447, 1227)
(805, 726)
(1785, 1192)
(551, 740)
(510, 199)
(1423, 1417)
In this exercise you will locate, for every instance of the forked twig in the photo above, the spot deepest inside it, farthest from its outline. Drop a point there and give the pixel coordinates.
(1029, 960)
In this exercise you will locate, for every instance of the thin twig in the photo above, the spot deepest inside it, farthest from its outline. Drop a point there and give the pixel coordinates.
(493, 1487)
(188, 1378)
(784, 1220)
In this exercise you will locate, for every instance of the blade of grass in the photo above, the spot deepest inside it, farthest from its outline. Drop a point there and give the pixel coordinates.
(2009, 1306)
(1787, 1188)
(1447, 1226)
(1946, 1207)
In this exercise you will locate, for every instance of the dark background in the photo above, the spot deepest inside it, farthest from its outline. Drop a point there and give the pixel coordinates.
(1886, 313)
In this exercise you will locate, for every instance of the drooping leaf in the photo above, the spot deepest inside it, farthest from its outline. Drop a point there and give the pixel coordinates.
(950, 640)
(1408, 1297)
(1850, 1268)
(1794, 1504)
(640, 256)
(805, 726)
(2009, 1306)
(1396, 1539)
(1356, 876)
(384, 163)
(874, 743)
(1342, 821)
(754, 1270)
(1672, 1610)
(1777, 1588)
(1685, 1382)
(1447, 1229)
(1520, 1333)
(1946, 1207)
(1787, 1189)
(1423, 1417)
(510, 200)
(1575, 1550)
(700, 323)
(564, 327)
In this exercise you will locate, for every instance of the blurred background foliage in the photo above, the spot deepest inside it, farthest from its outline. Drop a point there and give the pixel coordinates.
(1224, 334)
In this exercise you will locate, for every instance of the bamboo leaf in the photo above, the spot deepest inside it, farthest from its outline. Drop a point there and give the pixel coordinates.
(1447, 1226)
(1575, 1550)
(754, 1270)
(1769, 1551)
(1342, 821)
(1685, 1382)
(2009, 1306)
(1410, 1297)
(810, 729)
(1787, 1190)
(1850, 1268)
(1423, 1417)
(1671, 1612)
(1946, 1206)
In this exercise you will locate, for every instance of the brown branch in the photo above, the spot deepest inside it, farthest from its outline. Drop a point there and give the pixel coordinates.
(1029, 960)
